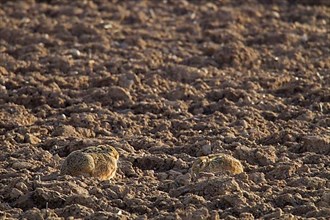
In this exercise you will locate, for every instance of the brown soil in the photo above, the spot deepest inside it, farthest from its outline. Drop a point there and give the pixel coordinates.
(165, 82)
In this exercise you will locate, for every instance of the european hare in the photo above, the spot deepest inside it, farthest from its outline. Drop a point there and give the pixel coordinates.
(216, 164)
(99, 162)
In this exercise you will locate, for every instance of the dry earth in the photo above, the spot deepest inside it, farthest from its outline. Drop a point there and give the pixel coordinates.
(165, 82)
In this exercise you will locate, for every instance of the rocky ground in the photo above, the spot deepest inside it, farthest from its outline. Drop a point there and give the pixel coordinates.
(165, 82)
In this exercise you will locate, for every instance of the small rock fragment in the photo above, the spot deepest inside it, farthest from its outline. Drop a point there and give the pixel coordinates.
(207, 149)
(118, 93)
(19, 165)
(33, 213)
(21, 186)
(317, 144)
(15, 193)
(65, 130)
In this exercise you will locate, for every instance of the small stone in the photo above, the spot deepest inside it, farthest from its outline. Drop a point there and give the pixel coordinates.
(62, 117)
(304, 37)
(75, 53)
(246, 216)
(257, 177)
(34, 213)
(22, 165)
(325, 199)
(65, 130)
(118, 93)
(2, 215)
(21, 186)
(128, 80)
(207, 149)
(3, 89)
(3, 71)
(79, 211)
(202, 213)
(96, 191)
(183, 179)
(15, 193)
(274, 215)
(162, 176)
(275, 14)
(19, 138)
(185, 73)
(317, 144)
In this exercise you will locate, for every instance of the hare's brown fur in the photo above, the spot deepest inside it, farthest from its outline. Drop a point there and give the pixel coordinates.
(216, 163)
(99, 162)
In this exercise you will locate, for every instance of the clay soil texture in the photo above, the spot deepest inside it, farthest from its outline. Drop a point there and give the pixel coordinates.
(164, 82)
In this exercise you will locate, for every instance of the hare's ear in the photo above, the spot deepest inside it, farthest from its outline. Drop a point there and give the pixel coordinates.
(116, 154)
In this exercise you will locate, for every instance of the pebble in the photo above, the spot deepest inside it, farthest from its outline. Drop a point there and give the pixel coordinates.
(22, 165)
(21, 186)
(15, 193)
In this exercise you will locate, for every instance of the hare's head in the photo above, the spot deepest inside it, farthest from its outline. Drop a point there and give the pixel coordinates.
(113, 152)
(198, 166)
